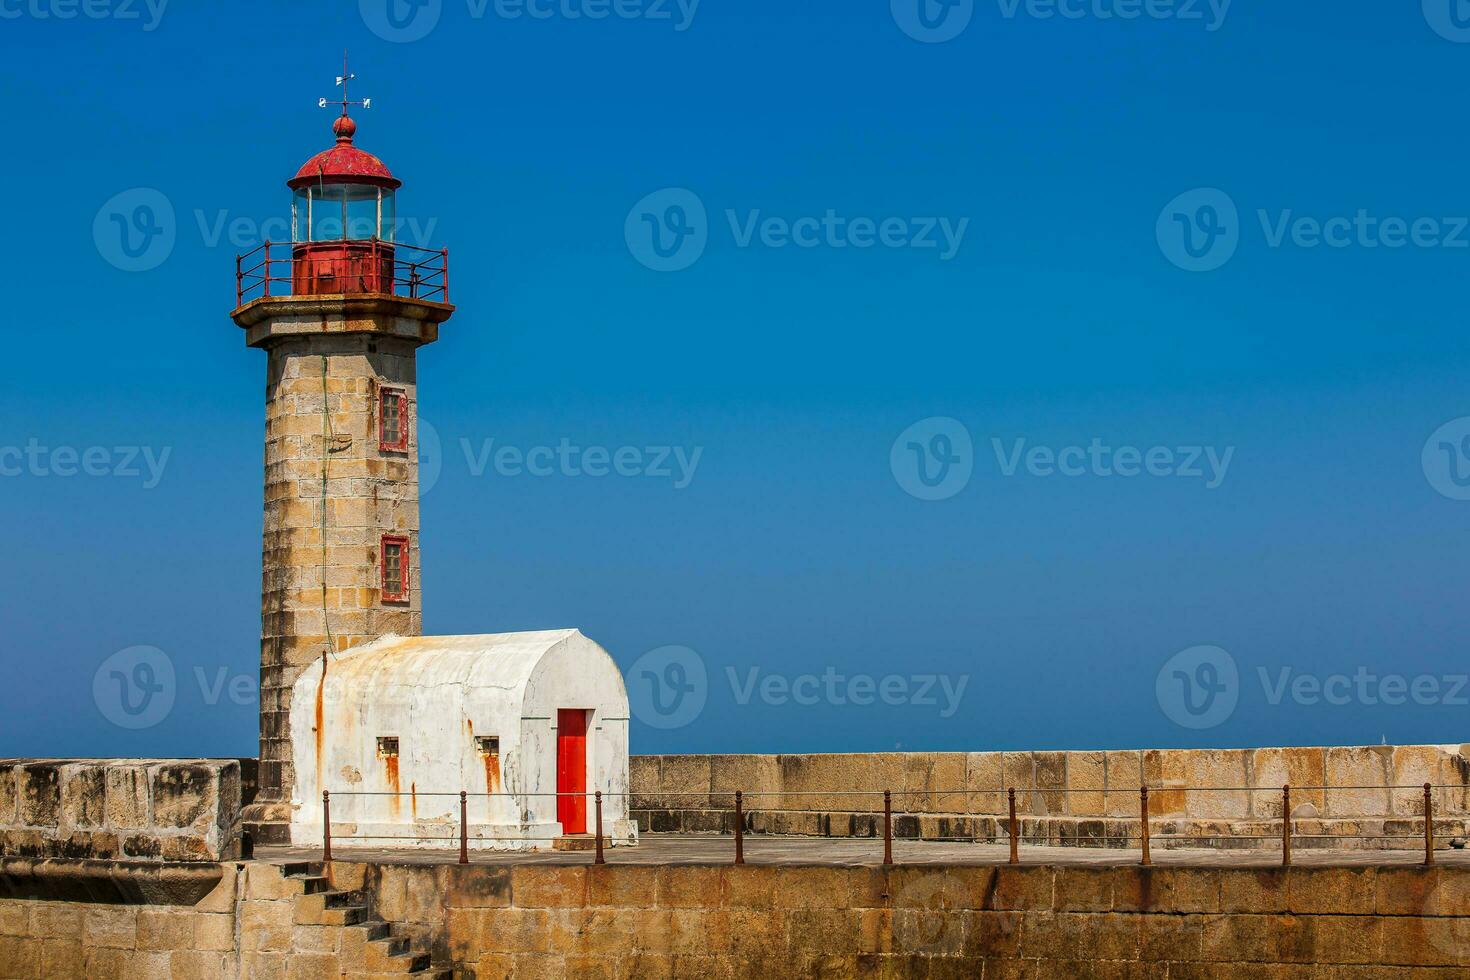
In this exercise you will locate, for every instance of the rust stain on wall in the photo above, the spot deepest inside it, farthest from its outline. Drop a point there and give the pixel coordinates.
(492, 772)
(393, 802)
(320, 692)
(413, 797)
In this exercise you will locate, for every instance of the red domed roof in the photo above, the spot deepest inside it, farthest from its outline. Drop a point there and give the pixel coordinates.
(344, 163)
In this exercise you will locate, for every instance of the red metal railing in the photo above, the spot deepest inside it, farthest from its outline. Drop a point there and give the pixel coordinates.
(1144, 835)
(368, 266)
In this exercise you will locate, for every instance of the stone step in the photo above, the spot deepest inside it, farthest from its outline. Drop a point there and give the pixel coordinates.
(575, 842)
(344, 915)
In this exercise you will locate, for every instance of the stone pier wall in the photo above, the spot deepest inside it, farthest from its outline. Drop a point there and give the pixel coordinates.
(268, 922)
(131, 809)
(1063, 797)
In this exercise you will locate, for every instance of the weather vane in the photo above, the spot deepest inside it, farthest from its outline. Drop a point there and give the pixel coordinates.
(342, 81)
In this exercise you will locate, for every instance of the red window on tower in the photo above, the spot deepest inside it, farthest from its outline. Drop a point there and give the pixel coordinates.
(395, 568)
(392, 420)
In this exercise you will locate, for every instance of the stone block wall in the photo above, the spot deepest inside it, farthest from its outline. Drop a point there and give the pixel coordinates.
(269, 922)
(132, 809)
(1003, 922)
(1062, 797)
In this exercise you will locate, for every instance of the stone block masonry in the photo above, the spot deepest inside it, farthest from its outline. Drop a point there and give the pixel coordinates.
(1088, 798)
(132, 809)
(334, 487)
(286, 922)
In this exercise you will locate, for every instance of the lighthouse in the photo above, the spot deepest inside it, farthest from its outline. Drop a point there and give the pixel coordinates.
(341, 311)
(354, 700)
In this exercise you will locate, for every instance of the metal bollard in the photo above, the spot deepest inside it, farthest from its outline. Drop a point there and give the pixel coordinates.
(739, 827)
(464, 829)
(887, 827)
(326, 826)
(1015, 829)
(1428, 826)
(1143, 817)
(599, 859)
(1285, 826)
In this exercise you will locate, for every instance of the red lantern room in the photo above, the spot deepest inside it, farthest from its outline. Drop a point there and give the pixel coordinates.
(343, 223)
(342, 219)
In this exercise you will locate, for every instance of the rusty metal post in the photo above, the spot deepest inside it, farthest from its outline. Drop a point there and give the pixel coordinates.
(326, 826)
(445, 253)
(239, 279)
(1143, 818)
(598, 798)
(739, 827)
(1428, 826)
(1014, 829)
(1285, 826)
(887, 827)
(266, 258)
(464, 829)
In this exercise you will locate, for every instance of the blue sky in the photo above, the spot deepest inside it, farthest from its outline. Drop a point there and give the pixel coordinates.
(1068, 156)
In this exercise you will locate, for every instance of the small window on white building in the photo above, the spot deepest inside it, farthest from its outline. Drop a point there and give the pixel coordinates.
(487, 744)
(388, 747)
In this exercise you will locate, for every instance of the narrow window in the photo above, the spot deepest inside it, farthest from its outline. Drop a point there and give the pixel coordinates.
(395, 568)
(387, 747)
(487, 744)
(392, 420)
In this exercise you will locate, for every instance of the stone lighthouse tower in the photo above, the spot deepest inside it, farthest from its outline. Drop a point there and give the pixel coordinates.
(341, 311)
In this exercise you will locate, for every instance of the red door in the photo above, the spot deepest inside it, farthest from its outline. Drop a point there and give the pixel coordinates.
(571, 770)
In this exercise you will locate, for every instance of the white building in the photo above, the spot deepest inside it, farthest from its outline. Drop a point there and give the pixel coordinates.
(394, 730)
